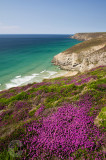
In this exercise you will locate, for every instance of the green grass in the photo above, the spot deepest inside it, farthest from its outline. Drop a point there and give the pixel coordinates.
(32, 112)
(99, 73)
(61, 94)
(94, 85)
(102, 116)
(6, 156)
(79, 153)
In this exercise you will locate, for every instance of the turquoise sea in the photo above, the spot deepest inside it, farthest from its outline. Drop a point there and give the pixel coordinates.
(27, 58)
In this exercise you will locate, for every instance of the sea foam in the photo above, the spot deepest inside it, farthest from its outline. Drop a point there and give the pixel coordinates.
(35, 77)
(17, 81)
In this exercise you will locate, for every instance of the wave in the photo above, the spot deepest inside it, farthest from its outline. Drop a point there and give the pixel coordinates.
(47, 74)
(18, 76)
(18, 80)
(43, 71)
(35, 77)
(35, 74)
(0, 85)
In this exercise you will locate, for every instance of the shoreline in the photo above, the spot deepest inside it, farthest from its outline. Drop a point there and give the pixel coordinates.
(66, 74)
(19, 80)
(35, 59)
(64, 60)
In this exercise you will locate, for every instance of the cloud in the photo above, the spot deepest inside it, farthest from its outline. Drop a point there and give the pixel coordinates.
(8, 29)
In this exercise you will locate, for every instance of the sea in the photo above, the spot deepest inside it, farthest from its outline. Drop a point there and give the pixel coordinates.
(27, 58)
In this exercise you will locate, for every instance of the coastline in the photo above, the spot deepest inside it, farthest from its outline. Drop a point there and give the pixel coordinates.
(84, 56)
(64, 70)
(30, 62)
(20, 81)
(62, 74)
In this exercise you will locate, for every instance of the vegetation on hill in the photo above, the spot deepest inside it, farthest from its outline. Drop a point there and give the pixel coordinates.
(86, 45)
(58, 119)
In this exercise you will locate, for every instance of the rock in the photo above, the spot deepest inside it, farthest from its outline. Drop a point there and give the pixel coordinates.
(97, 121)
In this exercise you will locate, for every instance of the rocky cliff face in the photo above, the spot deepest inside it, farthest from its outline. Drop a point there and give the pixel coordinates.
(83, 56)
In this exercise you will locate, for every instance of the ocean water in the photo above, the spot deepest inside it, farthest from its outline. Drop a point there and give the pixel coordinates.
(27, 58)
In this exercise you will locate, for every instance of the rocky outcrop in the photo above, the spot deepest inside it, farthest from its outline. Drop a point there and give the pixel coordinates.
(83, 56)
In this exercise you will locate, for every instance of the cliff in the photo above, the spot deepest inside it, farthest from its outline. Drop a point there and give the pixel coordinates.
(83, 56)
(88, 36)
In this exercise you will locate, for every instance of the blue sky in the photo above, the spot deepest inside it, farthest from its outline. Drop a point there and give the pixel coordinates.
(52, 16)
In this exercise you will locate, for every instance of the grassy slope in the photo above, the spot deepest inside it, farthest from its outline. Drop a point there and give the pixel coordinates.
(23, 106)
(86, 45)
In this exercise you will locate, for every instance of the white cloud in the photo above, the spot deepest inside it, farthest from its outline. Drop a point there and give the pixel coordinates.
(8, 29)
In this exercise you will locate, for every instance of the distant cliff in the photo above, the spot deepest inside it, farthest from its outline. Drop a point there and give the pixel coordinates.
(88, 36)
(83, 56)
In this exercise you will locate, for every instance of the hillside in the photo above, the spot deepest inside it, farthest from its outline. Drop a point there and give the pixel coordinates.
(59, 119)
(85, 55)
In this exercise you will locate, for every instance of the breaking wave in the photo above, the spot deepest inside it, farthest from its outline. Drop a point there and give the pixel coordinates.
(35, 77)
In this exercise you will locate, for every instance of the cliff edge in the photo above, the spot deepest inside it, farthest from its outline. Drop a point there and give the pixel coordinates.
(85, 55)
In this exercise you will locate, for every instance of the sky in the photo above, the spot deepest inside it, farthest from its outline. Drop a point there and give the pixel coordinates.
(52, 16)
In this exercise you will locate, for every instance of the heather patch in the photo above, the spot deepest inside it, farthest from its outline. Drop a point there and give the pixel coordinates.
(18, 111)
(55, 118)
(97, 84)
(99, 71)
(21, 110)
(97, 100)
(7, 95)
(64, 133)
(21, 104)
(85, 80)
(20, 96)
(14, 91)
